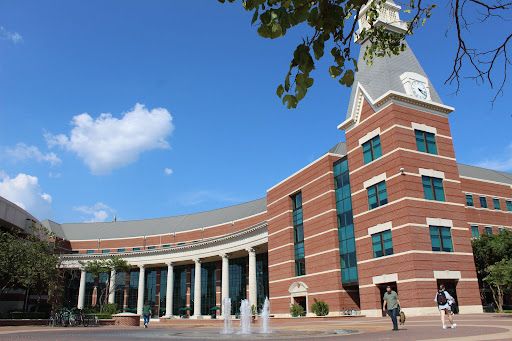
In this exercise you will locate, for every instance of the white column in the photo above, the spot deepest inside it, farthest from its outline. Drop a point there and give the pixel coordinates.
(140, 297)
(81, 290)
(197, 289)
(112, 289)
(170, 289)
(253, 287)
(225, 277)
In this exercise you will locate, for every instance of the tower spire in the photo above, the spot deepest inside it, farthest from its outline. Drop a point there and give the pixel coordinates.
(389, 17)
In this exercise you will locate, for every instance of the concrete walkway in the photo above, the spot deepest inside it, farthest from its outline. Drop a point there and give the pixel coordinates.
(469, 327)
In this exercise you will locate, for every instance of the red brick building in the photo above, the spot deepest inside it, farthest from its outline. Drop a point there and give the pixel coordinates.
(390, 206)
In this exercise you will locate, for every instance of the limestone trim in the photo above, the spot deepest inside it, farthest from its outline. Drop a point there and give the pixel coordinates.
(375, 180)
(296, 189)
(280, 214)
(318, 196)
(439, 222)
(424, 127)
(385, 278)
(280, 246)
(281, 230)
(431, 173)
(319, 215)
(301, 170)
(370, 135)
(417, 252)
(447, 274)
(489, 181)
(409, 198)
(307, 275)
(380, 228)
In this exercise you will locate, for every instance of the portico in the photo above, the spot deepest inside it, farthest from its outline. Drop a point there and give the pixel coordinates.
(199, 261)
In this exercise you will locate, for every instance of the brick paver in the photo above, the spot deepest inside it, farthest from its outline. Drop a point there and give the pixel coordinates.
(470, 327)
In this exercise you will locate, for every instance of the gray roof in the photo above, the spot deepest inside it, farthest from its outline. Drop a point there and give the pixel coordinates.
(148, 227)
(339, 148)
(484, 174)
(384, 75)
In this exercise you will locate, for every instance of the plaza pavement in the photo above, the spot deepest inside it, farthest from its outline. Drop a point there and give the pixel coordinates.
(469, 327)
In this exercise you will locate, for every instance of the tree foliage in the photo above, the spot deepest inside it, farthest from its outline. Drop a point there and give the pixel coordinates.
(493, 261)
(499, 279)
(28, 261)
(331, 25)
(97, 267)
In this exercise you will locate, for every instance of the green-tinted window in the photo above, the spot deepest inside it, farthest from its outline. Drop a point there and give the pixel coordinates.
(475, 232)
(345, 219)
(433, 188)
(509, 205)
(377, 195)
(426, 142)
(179, 294)
(151, 247)
(382, 244)
(469, 200)
(502, 230)
(483, 202)
(441, 238)
(121, 250)
(237, 282)
(167, 245)
(74, 252)
(136, 249)
(496, 203)
(372, 150)
(488, 230)
(90, 251)
(298, 235)
(105, 251)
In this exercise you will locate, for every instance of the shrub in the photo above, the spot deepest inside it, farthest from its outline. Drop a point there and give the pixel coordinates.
(110, 308)
(25, 315)
(296, 310)
(320, 308)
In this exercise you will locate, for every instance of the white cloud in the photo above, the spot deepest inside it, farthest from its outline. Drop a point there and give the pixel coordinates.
(54, 175)
(99, 212)
(24, 190)
(107, 143)
(168, 171)
(503, 164)
(24, 152)
(15, 37)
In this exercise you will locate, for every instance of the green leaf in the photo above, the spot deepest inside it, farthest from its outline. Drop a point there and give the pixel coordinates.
(254, 17)
(348, 78)
(280, 90)
(318, 47)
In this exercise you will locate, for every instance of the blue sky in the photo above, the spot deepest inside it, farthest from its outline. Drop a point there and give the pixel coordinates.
(205, 82)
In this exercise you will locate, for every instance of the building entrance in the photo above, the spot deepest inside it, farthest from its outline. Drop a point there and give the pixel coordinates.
(451, 288)
(301, 300)
(382, 289)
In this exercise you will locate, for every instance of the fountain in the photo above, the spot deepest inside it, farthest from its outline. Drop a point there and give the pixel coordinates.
(245, 317)
(226, 312)
(265, 317)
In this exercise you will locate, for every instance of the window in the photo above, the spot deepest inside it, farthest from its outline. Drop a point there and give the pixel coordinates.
(483, 202)
(136, 249)
(298, 235)
(488, 230)
(121, 250)
(371, 150)
(90, 251)
(433, 188)
(346, 237)
(426, 142)
(469, 200)
(151, 247)
(74, 252)
(475, 232)
(509, 205)
(167, 245)
(105, 251)
(496, 203)
(501, 229)
(377, 195)
(441, 238)
(382, 244)
(181, 243)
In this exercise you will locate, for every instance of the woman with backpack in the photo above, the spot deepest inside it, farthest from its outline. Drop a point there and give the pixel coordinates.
(444, 301)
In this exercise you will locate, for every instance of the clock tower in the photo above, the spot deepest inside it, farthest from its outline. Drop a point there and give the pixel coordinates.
(410, 225)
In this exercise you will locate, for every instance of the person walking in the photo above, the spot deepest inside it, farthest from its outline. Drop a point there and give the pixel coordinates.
(391, 304)
(146, 313)
(444, 301)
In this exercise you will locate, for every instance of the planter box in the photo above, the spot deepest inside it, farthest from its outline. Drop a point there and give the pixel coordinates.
(126, 319)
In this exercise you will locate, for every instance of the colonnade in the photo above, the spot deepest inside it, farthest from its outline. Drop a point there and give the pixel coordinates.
(253, 293)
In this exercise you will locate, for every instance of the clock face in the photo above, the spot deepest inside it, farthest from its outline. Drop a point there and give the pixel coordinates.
(419, 90)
